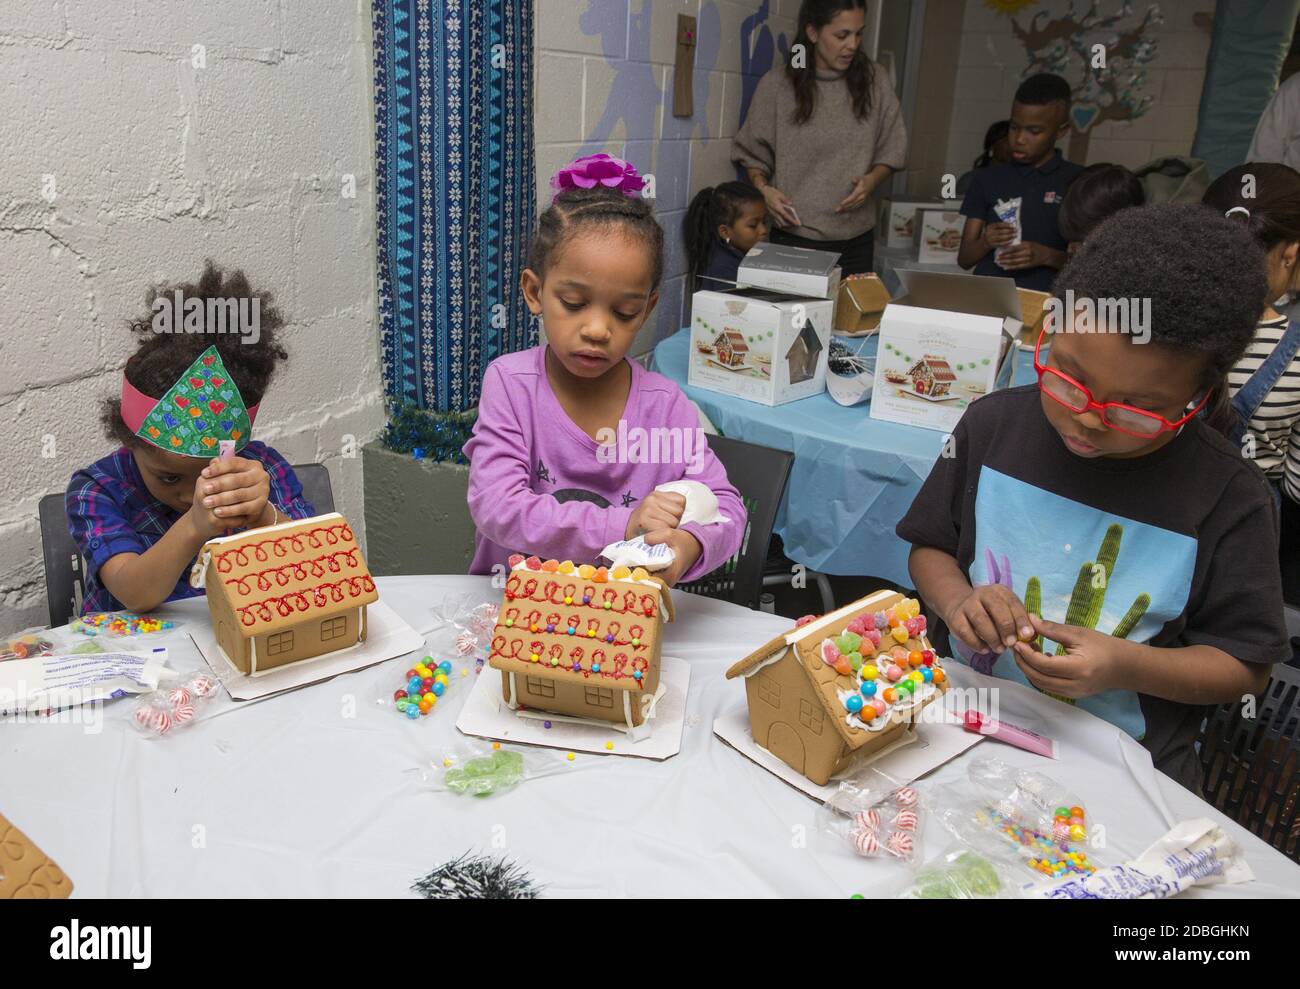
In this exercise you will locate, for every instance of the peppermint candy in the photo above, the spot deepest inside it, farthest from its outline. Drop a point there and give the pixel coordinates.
(466, 643)
(906, 820)
(868, 819)
(203, 685)
(865, 843)
(182, 713)
(178, 695)
(905, 796)
(900, 844)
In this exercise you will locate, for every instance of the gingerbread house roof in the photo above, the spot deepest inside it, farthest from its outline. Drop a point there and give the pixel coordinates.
(802, 646)
(616, 625)
(276, 577)
(734, 338)
(940, 369)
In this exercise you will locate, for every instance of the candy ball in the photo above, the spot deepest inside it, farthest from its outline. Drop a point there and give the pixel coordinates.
(445, 666)
(412, 711)
(869, 672)
(914, 658)
(939, 675)
(1076, 812)
(894, 672)
(878, 705)
(927, 657)
(399, 695)
(854, 703)
(869, 688)
(890, 695)
(1063, 812)
(1077, 832)
(438, 689)
(926, 674)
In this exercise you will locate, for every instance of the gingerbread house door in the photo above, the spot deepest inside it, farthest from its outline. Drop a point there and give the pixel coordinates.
(784, 743)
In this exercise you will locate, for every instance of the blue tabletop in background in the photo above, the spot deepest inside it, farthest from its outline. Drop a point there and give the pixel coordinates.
(853, 477)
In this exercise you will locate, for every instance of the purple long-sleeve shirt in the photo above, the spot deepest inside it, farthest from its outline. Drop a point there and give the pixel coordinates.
(539, 485)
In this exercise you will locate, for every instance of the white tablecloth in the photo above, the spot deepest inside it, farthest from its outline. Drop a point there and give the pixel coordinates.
(320, 792)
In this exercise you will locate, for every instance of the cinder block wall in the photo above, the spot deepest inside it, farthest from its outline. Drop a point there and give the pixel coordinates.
(138, 139)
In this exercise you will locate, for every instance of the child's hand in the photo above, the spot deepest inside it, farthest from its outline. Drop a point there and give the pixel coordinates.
(999, 234)
(991, 618)
(1091, 663)
(686, 550)
(658, 510)
(235, 490)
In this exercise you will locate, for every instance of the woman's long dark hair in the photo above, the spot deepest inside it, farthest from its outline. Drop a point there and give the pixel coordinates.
(817, 14)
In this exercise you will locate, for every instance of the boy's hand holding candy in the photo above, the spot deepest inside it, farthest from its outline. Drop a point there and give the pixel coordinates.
(990, 618)
(1090, 664)
(231, 493)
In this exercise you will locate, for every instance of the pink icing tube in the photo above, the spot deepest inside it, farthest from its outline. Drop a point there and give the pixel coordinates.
(1021, 738)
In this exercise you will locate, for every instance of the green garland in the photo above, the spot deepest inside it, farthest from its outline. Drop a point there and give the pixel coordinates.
(426, 435)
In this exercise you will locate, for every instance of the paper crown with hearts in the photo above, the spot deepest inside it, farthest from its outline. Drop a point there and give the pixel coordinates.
(200, 410)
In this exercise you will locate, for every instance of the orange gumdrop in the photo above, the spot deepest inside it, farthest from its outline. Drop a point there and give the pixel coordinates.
(601, 575)
(842, 667)
(551, 566)
(893, 620)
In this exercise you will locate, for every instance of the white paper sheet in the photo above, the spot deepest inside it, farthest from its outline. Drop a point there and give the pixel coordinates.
(486, 715)
(387, 636)
(53, 683)
(905, 763)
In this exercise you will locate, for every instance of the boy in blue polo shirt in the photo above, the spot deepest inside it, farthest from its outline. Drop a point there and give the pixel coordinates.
(1037, 177)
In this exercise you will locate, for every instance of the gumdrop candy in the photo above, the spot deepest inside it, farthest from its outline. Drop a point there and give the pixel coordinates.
(533, 563)
(515, 559)
(586, 571)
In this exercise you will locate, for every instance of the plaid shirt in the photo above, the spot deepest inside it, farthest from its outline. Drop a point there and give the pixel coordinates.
(110, 511)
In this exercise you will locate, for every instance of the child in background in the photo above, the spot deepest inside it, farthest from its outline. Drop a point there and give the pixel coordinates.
(140, 515)
(997, 151)
(1098, 193)
(1037, 178)
(722, 223)
(560, 464)
(1092, 534)
(1265, 383)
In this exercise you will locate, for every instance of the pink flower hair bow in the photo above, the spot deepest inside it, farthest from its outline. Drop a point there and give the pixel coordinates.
(598, 169)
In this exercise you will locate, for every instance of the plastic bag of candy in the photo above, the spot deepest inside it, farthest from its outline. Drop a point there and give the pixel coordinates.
(417, 692)
(875, 815)
(464, 629)
(122, 624)
(30, 642)
(177, 703)
(961, 873)
(480, 769)
(1031, 799)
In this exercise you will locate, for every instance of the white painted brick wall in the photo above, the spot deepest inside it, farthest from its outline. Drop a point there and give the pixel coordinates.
(159, 165)
(575, 76)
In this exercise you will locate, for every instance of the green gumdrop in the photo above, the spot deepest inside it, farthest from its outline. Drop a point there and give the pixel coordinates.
(479, 777)
(855, 660)
(848, 642)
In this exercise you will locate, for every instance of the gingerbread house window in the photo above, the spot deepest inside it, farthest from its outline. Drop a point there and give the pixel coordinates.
(539, 687)
(278, 643)
(769, 690)
(600, 697)
(810, 717)
(334, 628)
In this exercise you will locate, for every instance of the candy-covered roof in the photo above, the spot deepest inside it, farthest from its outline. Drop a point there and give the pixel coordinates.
(580, 623)
(281, 575)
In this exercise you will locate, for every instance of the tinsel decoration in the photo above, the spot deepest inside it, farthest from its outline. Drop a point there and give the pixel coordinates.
(480, 878)
(428, 435)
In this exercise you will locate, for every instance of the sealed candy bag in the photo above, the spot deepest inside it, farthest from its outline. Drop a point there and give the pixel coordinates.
(176, 704)
(482, 769)
(29, 643)
(875, 816)
(960, 873)
(121, 624)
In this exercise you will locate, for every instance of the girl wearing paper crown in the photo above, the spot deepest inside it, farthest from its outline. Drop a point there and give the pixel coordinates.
(560, 459)
(187, 469)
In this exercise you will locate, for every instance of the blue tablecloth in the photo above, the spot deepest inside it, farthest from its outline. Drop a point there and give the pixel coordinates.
(853, 477)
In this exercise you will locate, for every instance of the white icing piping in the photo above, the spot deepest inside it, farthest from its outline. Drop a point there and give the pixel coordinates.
(513, 702)
(776, 657)
(274, 528)
(801, 633)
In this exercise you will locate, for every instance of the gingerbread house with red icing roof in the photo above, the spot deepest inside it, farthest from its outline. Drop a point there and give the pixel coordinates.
(836, 690)
(580, 641)
(286, 593)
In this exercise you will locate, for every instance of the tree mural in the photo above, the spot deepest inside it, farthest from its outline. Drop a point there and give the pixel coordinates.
(1105, 88)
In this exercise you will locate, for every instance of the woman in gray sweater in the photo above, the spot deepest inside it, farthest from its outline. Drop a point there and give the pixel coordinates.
(822, 132)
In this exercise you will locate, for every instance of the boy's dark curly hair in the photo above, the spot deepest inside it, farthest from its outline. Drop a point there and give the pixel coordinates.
(161, 358)
(575, 209)
(1203, 273)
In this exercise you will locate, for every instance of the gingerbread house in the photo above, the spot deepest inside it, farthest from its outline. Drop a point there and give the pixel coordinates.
(286, 593)
(932, 376)
(580, 641)
(804, 354)
(835, 690)
(730, 348)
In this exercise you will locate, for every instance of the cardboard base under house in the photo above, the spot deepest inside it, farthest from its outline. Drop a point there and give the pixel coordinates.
(388, 636)
(905, 761)
(486, 715)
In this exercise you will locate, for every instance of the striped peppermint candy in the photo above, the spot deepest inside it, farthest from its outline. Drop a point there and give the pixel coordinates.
(868, 819)
(899, 844)
(153, 719)
(906, 820)
(865, 843)
(466, 642)
(905, 796)
(182, 713)
(203, 685)
(178, 695)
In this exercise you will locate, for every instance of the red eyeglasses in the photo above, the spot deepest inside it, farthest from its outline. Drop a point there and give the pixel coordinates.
(1064, 390)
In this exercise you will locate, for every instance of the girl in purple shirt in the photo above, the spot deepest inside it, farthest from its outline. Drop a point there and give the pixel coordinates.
(572, 438)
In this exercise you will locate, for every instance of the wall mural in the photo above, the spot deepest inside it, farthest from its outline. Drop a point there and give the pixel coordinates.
(1063, 43)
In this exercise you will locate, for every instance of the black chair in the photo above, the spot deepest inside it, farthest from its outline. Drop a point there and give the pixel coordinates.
(1252, 765)
(759, 473)
(65, 570)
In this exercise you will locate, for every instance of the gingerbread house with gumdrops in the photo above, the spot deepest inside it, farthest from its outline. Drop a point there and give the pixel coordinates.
(836, 690)
(580, 641)
(286, 593)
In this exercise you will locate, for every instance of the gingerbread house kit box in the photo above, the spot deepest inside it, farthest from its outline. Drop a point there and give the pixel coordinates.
(286, 593)
(759, 345)
(835, 691)
(947, 341)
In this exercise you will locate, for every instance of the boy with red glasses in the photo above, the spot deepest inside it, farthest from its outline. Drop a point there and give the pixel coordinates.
(1092, 536)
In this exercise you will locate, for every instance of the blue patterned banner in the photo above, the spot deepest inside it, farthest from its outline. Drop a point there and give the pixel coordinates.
(455, 190)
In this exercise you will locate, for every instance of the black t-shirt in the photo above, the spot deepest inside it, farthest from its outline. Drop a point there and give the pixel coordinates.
(1041, 191)
(1187, 537)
